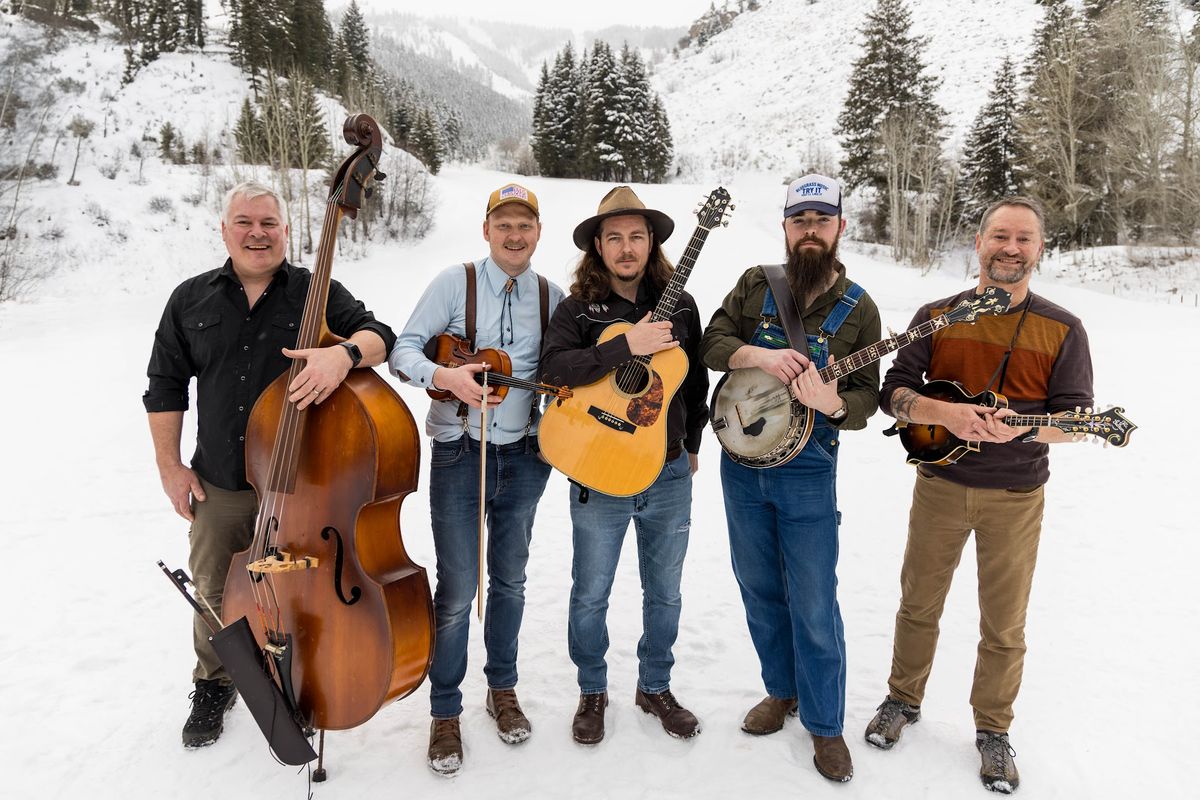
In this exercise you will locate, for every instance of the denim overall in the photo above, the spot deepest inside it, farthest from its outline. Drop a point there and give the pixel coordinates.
(783, 539)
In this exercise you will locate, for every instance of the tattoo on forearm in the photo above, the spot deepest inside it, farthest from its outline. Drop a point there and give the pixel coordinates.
(903, 400)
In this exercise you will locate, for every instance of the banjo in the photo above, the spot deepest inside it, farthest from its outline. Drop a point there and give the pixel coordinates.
(760, 424)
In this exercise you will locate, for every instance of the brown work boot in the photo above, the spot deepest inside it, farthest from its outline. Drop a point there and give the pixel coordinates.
(768, 716)
(891, 719)
(445, 746)
(676, 720)
(832, 758)
(512, 726)
(588, 725)
(997, 770)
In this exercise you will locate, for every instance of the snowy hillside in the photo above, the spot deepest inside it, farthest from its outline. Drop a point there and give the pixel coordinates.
(766, 93)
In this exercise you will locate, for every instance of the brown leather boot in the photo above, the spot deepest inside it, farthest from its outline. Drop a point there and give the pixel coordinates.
(676, 720)
(588, 725)
(832, 758)
(768, 716)
(445, 753)
(512, 726)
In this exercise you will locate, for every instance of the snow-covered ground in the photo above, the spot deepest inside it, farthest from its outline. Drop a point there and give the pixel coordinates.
(95, 682)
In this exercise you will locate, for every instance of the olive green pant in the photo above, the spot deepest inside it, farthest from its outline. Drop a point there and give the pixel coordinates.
(1007, 525)
(224, 525)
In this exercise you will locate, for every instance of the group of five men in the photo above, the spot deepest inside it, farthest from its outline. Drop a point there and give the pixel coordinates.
(229, 329)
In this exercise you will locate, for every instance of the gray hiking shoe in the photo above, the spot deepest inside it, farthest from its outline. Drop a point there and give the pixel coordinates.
(892, 717)
(997, 770)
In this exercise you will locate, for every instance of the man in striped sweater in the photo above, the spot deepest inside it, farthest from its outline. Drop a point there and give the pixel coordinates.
(1037, 356)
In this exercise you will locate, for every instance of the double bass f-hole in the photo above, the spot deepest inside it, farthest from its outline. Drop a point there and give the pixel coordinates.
(338, 559)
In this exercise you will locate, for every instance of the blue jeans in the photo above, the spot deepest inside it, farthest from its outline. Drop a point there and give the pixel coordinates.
(783, 537)
(516, 478)
(661, 518)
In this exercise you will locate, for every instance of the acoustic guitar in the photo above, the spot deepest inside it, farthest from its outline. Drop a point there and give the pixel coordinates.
(611, 435)
(760, 424)
(935, 444)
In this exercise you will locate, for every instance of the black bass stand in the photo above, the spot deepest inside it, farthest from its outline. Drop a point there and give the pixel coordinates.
(251, 670)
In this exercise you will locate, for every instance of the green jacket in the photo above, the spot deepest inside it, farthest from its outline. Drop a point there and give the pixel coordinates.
(733, 324)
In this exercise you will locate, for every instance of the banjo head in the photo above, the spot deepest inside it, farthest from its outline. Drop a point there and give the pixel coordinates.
(756, 420)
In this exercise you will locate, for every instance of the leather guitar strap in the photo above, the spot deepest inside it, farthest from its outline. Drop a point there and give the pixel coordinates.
(785, 304)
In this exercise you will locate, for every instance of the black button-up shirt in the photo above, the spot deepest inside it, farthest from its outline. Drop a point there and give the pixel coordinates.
(208, 331)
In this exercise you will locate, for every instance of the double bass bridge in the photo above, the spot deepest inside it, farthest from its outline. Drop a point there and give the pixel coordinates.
(281, 561)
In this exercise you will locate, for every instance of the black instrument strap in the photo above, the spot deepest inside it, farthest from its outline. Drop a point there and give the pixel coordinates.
(785, 304)
(1002, 369)
(469, 323)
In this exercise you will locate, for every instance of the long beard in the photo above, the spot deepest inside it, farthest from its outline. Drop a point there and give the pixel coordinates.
(809, 269)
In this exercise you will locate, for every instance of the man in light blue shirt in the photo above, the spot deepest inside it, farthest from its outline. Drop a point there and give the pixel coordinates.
(511, 304)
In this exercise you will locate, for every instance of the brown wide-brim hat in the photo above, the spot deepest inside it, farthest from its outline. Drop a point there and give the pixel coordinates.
(621, 201)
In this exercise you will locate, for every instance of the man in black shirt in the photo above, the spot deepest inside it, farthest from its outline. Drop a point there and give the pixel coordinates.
(230, 329)
(620, 277)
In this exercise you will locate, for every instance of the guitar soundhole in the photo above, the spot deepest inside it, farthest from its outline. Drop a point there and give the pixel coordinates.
(632, 378)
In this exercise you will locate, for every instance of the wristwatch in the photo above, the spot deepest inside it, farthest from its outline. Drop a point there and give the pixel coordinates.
(355, 353)
(841, 412)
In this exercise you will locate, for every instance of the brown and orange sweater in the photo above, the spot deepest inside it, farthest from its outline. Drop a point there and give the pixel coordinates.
(1050, 370)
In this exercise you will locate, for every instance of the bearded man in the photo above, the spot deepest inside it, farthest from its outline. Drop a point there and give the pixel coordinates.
(783, 520)
(1037, 356)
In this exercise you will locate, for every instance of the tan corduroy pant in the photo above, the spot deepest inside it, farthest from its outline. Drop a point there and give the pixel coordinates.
(224, 525)
(1007, 525)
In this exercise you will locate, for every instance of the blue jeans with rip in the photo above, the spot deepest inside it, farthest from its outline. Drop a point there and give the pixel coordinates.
(783, 537)
(516, 477)
(661, 518)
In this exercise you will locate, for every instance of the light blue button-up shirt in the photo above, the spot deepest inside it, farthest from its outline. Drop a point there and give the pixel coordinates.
(504, 320)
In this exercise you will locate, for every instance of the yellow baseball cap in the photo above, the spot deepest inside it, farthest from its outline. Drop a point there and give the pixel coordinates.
(513, 193)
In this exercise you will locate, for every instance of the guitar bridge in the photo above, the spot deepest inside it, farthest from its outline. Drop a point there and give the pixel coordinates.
(611, 420)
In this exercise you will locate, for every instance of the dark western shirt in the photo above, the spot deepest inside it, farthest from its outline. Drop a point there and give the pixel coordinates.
(209, 332)
(571, 356)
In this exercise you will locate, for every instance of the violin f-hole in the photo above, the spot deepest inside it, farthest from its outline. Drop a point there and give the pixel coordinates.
(338, 558)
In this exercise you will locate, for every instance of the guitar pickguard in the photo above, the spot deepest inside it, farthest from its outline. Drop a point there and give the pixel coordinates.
(645, 409)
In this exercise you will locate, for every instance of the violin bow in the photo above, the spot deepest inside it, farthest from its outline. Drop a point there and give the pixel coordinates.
(483, 424)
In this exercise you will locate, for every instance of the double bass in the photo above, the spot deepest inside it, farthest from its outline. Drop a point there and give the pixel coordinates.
(343, 616)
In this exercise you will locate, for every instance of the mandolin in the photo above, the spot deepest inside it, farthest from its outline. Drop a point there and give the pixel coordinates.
(934, 444)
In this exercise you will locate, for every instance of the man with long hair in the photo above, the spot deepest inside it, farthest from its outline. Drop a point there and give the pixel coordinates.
(783, 520)
(620, 277)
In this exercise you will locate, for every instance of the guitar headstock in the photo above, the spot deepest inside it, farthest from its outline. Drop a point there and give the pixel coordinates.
(1112, 426)
(994, 300)
(715, 210)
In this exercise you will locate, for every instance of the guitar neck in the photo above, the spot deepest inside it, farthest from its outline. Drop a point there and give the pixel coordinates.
(872, 353)
(683, 270)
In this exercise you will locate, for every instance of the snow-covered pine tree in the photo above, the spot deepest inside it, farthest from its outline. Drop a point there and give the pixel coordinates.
(660, 149)
(633, 119)
(1055, 114)
(539, 142)
(248, 134)
(426, 143)
(889, 80)
(311, 37)
(989, 157)
(602, 161)
(356, 42)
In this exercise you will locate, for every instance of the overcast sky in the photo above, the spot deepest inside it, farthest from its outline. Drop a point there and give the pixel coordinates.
(552, 13)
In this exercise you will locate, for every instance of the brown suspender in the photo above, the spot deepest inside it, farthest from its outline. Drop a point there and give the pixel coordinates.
(785, 304)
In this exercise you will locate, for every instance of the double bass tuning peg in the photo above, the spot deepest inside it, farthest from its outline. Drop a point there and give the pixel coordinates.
(379, 176)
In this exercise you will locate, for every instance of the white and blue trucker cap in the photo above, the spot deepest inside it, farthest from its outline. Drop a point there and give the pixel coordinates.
(815, 192)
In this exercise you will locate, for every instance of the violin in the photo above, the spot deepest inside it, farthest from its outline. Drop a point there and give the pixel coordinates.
(449, 350)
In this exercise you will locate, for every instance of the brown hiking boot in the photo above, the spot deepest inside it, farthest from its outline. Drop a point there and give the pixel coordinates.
(832, 758)
(891, 719)
(588, 725)
(768, 716)
(997, 769)
(512, 726)
(676, 720)
(445, 746)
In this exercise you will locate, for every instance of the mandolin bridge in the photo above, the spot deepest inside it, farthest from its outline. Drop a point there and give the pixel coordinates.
(611, 420)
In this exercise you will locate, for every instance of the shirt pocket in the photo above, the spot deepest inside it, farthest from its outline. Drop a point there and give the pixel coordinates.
(283, 331)
(202, 330)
